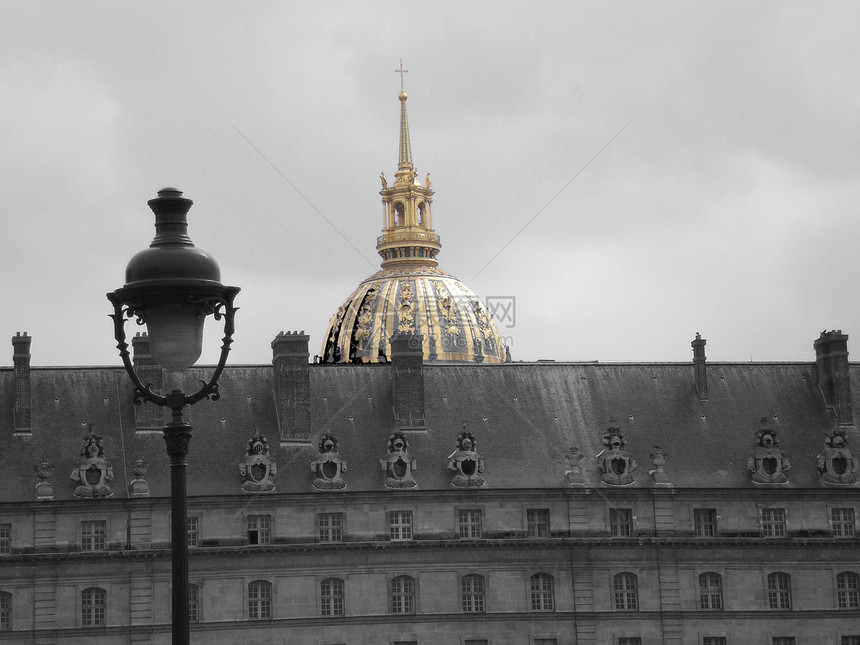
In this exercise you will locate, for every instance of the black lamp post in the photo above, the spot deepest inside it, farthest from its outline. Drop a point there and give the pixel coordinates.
(171, 287)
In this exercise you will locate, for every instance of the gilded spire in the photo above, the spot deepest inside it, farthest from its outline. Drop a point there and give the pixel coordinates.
(407, 231)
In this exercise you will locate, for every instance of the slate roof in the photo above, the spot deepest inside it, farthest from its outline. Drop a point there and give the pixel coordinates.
(524, 417)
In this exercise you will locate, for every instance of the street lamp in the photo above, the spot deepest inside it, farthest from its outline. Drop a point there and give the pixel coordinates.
(171, 287)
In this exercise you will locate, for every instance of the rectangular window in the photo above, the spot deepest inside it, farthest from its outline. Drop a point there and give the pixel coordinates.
(259, 529)
(714, 640)
(537, 522)
(773, 522)
(842, 521)
(5, 611)
(193, 535)
(331, 597)
(621, 522)
(472, 587)
(705, 522)
(850, 640)
(330, 527)
(193, 603)
(93, 601)
(476, 641)
(469, 523)
(545, 641)
(93, 535)
(260, 600)
(629, 640)
(400, 525)
(783, 640)
(5, 538)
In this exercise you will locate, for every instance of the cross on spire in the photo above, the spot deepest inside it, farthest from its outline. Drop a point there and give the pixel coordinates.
(401, 71)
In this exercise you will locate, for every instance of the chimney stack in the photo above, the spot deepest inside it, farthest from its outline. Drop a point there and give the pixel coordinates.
(407, 357)
(699, 368)
(292, 386)
(147, 416)
(831, 366)
(21, 362)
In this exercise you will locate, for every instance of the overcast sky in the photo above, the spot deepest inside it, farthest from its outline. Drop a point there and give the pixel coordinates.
(727, 204)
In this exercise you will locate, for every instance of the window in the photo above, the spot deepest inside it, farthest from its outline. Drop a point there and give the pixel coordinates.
(260, 599)
(773, 522)
(714, 640)
(403, 595)
(5, 611)
(93, 535)
(842, 522)
(543, 597)
(783, 640)
(193, 534)
(93, 601)
(330, 527)
(621, 522)
(476, 641)
(469, 523)
(545, 641)
(259, 529)
(710, 591)
(193, 603)
(5, 538)
(705, 522)
(779, 591)
(626, 592)
(848, 590)
(537, 522)
(400, 525)
(629, 640)
(331, 597)
(472, 587)
(850, 640)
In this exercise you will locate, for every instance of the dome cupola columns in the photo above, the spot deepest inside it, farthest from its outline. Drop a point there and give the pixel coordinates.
(407, 221)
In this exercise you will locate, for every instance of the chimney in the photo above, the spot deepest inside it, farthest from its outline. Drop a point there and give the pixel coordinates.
(21, 362)
(292, 386)
(147, 416)
(407, 357)
(831, 366)
(699, 369)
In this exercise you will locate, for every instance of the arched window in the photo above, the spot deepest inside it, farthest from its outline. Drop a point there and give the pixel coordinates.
(403, 595)
(542, 593)
(193, 603)
(398, 214)
(779, 591)
(93, 603)
(626, 592)
(472, 588)
(5, 611)
(331, 597)
(848, 590)
(710, 591)
(259, 600)
(421, 207)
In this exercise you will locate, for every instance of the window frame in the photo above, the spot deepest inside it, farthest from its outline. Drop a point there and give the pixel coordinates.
(400, 525)
(92, 541)
(778, 598)
(261, 599)
(93, 607)
(772, 527)
(193, 602)
(538, 520)
(847, 595)
(263, 533)
(6, 605)
(332, 597)
(709, 593)
(6, 538)
(403, 601)
(192, 523)
(625, 596)
(705, 527)
(472, 523)
(473, 593)
(327, 531)
(621, 522)
(542, 598)
(847, 528)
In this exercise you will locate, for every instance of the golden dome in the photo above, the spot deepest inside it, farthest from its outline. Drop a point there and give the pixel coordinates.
(411, 295)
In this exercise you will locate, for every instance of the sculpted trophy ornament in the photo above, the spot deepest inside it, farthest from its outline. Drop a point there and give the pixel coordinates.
(466, 463)
(44, 489)
(767, 463)
(94, 471)
(138, 486)
(398, 465)
(258, 469)
(574, 467)
(836, 465)
(615, 463)
(658, 474)
(328, 466)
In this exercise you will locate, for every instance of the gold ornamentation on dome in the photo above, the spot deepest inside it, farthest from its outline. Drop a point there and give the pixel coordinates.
(449, 316)
(365, 316)
(406, 310)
